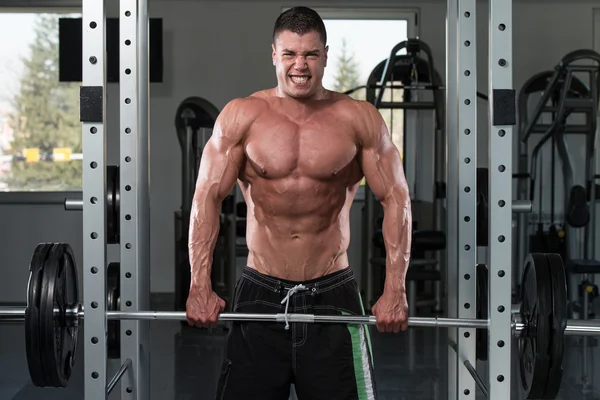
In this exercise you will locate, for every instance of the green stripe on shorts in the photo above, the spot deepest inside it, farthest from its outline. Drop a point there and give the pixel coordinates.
(362, 367)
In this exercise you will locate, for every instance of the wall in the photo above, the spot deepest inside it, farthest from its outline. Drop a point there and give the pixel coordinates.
(236, 62)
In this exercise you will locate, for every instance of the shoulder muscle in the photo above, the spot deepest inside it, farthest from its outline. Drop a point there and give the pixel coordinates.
(371, 129)
(235, 119)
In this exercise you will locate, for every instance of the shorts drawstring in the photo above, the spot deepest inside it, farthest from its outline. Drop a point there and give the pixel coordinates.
(286, 300)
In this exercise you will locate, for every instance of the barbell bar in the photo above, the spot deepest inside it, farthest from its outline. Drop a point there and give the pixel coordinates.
(18, 314)
(573, 328)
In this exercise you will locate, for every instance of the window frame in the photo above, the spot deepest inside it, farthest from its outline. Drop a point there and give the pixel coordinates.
(16, 197)
(408, 14)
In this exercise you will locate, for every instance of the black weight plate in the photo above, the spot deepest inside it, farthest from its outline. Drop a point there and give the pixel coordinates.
(559, 324)
(113, 298)
(59, 291)
(32, 315)
(536, 309)
(481, 336)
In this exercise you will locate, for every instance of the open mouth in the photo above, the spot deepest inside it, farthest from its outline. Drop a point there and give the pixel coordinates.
(300, 80)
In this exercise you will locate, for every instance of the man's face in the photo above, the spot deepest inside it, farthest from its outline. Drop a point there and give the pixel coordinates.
(299, 63)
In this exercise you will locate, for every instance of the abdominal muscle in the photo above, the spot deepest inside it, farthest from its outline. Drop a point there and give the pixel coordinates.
(297, 232)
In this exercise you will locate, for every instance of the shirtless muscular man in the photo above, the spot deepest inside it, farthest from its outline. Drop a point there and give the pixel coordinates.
(299, 152)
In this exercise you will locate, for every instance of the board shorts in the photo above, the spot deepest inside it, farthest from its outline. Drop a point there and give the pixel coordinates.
(324, 361)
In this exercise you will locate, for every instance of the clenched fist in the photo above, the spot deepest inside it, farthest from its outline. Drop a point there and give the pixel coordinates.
(391, 311)
(203, 307)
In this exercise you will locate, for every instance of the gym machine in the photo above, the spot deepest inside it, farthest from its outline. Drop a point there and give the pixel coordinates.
(569, 95)
(566, 97)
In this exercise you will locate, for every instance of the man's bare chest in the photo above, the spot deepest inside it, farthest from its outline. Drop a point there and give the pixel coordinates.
(318, 147)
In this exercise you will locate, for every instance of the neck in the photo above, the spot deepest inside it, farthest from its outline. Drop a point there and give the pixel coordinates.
(320, 94)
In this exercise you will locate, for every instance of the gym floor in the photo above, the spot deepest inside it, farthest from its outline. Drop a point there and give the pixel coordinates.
(186, 361)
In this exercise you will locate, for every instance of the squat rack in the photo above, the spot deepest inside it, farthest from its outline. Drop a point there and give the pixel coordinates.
(461, 204)
(134, 194)
(461, 128)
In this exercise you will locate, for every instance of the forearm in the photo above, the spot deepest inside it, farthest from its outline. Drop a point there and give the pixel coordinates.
(397, 236)
(203, 233)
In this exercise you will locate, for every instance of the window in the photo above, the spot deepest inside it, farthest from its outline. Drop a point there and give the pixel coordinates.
(359, 40)
(40, 132)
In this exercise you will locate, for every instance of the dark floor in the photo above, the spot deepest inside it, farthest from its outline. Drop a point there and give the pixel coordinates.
(185, 363)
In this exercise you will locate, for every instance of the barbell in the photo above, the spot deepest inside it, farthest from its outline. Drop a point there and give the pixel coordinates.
(54, 313)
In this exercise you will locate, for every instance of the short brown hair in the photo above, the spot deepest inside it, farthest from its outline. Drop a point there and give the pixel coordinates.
(300, 20)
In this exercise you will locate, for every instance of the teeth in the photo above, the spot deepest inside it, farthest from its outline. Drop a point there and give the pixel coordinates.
(299, 79)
